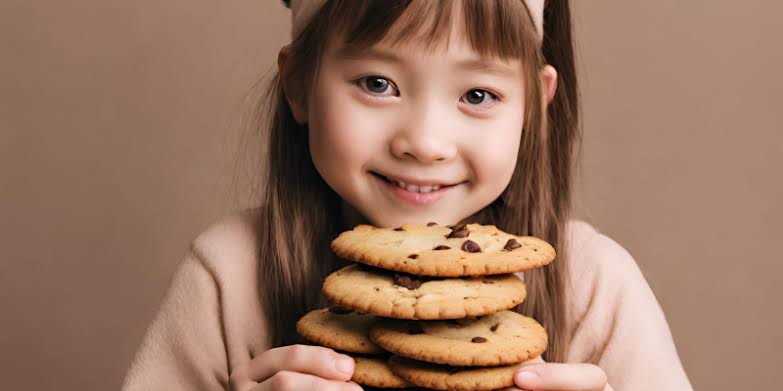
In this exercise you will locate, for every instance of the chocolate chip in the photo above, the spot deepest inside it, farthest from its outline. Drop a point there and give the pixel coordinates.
(478, 340)
(336, 309)
(495, 327)
(415, 328)
(431, 224)
(442, 247)
(460, 231)
(471, 246)
(413, 256)
(398, 229)
(511, 244)
(406, 281)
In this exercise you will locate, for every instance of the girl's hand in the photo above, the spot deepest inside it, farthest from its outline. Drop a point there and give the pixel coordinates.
(540, 376)
(295, 367)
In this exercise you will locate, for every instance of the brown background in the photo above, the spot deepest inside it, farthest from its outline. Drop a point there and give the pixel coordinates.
(119, 132)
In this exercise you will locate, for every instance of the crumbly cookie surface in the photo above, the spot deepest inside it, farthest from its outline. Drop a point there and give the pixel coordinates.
(339, 328)
(444, 377)
(435, 250)
(375, 372)
(375, 291)
(502, 338)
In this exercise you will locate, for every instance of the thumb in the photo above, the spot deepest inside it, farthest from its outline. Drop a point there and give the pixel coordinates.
(551, 376)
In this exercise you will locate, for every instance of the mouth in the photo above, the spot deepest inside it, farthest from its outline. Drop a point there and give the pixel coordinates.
(416, 192)
(414, 186)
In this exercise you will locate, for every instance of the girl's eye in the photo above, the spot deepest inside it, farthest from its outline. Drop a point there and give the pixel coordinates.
(376, 85)
(476, 97)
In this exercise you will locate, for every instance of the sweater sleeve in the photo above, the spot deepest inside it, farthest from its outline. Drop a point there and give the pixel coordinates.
(620, 325)
(183, 348)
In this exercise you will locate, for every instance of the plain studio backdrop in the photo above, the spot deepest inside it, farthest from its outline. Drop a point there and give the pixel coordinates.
(119, 130)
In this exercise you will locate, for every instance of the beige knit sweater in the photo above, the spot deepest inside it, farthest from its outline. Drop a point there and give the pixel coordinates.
(210, 320)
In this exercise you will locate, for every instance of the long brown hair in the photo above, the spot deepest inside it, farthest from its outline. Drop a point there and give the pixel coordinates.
(300, 214)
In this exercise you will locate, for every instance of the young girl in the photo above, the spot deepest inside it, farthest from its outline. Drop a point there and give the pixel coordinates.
(392, 112)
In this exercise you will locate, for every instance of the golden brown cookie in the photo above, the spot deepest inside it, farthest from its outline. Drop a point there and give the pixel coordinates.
(502, 338)
(375, 372)
(339, 328)
(444, 377)
(435, 250)
(379, 292)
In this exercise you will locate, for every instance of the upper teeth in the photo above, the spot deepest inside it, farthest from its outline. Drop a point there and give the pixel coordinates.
(416, 189)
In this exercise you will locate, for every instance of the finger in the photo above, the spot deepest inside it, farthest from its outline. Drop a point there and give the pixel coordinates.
(551, 377)
(533, 361)
(238, 379)
(293, 381)
(313, 360)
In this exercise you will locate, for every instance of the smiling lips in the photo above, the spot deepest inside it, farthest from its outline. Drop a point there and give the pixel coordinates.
(416, 186)
(420, 193)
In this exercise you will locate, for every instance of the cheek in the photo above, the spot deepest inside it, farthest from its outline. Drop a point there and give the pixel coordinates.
(495, 156)
(497, 164)
(343, 136)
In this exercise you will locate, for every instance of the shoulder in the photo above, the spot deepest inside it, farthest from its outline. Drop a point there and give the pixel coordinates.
(228, 250)
(590, 251)
(230, 243)
(597, 265)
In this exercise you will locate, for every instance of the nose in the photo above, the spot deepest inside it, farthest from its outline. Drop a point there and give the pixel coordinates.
(424, 138)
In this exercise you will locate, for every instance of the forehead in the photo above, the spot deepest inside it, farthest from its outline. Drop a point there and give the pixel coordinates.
(455, 48)
(463, 58)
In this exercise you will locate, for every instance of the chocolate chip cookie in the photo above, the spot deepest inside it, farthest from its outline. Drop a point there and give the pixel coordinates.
(339, 328)
(375, 372)
(380, 292)
(435, 250)
(444, 377)
(502, 338)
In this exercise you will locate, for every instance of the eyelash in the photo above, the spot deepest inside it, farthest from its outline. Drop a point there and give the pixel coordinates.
(360, 83)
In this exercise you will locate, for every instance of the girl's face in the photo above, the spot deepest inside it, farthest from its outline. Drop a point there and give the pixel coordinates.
(409, 136)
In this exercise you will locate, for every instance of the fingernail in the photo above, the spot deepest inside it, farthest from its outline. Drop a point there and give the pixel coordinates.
(344, 365)
(527, 378)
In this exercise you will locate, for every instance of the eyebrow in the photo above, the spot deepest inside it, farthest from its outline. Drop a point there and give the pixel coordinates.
(471, 64)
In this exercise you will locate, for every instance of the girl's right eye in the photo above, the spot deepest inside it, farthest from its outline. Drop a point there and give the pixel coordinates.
(376, 86)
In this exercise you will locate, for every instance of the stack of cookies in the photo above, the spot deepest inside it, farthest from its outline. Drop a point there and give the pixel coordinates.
(431, 306)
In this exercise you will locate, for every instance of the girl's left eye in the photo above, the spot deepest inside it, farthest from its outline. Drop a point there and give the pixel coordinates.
(477, 96)
(376, 85)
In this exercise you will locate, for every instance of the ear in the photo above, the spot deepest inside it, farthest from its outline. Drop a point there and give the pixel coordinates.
(294, 97)
(549, 82)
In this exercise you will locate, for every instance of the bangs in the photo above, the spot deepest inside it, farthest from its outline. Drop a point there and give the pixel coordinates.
(501, 29)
